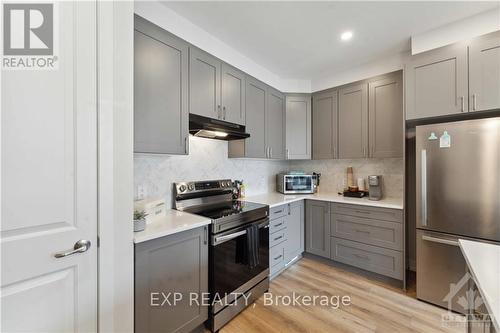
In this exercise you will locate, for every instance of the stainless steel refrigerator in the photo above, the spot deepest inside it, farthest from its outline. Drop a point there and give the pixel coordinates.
(457, 196)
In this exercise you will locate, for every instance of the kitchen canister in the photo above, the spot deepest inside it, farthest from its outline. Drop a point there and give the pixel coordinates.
(361, 184)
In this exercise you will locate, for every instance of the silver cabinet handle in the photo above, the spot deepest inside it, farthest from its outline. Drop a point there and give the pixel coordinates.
(440, 240)
(270, 152)
(463, 103)
(362, 231)
(224, 112)
(361, 256)
(81, 246)
(186, 144)
(423, 184)
(276, 258)
(279, 237)
(287, 154)
(474, 102)
(219, 115)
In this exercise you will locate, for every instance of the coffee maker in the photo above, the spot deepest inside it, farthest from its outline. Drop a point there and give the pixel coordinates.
(375, 187)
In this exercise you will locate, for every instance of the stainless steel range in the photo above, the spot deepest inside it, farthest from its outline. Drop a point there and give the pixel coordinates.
(239, 245)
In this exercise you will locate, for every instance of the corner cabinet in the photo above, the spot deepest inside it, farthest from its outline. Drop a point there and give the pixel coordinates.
(159, 269)
(160, 90)
(385, 116)
(298, 127)
(324, 125)
(318, 228)
(353, 121)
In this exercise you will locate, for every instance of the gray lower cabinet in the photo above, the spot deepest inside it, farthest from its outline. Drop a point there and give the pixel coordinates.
(437, 83)
(286, 236)
(160, 269)
(298, 127)
(160, 90)
(385, 116)
(318, 228)
(484, 72)
(324, 125)
(275, 118)
(353, 121)
(233, 94)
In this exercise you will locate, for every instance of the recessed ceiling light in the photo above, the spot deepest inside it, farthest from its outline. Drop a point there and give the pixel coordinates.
(346, 35)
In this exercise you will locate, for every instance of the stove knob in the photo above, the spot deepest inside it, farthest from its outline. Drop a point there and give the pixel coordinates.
(228, 184)
(222, 184)
(182, 188)
(191, 187)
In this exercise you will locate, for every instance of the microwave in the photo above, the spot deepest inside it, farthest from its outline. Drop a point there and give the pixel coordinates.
(294, 183)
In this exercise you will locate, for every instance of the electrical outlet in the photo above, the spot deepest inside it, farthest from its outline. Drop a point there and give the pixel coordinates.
(141, 192)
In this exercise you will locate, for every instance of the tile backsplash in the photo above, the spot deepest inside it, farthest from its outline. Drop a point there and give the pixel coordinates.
(208, 159)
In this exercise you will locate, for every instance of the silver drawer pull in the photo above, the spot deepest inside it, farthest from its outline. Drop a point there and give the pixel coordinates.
(280, 237)
(278, 257)
(279, 224)
(278, 211)
(81, 246)
(361, 256)
(362, 231)
(362, 212)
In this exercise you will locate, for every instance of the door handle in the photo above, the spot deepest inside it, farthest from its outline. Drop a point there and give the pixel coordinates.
(423, 184)
(81, 246)
(474, 103)
(463, 103)
(224, 112)
(219, 115)
(440, 240)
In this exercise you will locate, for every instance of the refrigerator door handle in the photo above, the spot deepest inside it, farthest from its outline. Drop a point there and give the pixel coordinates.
(423, 185)
(440, 240)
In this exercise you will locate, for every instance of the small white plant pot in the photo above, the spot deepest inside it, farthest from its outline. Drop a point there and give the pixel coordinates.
(139, 225)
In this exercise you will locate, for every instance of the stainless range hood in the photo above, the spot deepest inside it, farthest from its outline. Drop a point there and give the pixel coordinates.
(215, 129)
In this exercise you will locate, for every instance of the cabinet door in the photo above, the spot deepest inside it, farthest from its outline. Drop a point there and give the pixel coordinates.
(318, 228)
(324, 125)
(160, 90)
(484, 72)
(386, 116)
(436, 82)
(204, 84)
(233, 95)
(255, 110)
(295, 230)
(275, 119)
(298, 127)
(353, 121)
(159, 268)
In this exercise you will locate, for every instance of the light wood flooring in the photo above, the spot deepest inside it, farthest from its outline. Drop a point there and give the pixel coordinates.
(375, 306)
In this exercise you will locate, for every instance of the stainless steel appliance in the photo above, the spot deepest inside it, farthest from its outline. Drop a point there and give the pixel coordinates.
(457, 196)
(239, 245)
(294, 183)
(375, 187)
(215, 129)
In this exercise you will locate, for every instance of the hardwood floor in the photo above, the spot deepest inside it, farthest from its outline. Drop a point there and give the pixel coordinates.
(375, 307)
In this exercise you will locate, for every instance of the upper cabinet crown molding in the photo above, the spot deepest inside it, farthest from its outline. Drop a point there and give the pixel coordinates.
(298, 126)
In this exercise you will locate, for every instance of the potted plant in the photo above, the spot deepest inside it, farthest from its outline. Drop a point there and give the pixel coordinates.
(139, 220)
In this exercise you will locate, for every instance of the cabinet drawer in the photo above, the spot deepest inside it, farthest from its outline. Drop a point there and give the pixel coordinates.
(277, 238)
(371, 258)
(279, 211)
(277, 224)
(386, 214)
(276, 255)
(368, 231)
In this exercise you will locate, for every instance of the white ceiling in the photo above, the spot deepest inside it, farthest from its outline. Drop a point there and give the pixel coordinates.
(301, 40)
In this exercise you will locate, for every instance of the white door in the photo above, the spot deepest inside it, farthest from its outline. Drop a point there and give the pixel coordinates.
(49, 185)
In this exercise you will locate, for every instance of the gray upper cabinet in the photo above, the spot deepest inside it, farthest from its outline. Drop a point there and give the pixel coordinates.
(159, 268)
(294, 230)
(204, 84)
(484, 72)
(436, 82)
(353, 121)
(324, 125)
(275, 117)
(318, 228)
(298, 127)
(233, 95)
(160, 90)
(386, 116)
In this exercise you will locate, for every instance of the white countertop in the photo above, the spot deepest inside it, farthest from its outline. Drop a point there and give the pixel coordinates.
(274, 199)
(173, 222)
(483, 260)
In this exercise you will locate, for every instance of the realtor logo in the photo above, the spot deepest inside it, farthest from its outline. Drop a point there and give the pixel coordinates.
(29, 36)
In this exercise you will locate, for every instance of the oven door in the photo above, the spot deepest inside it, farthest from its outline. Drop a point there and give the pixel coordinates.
(229, 274)
(298, 184)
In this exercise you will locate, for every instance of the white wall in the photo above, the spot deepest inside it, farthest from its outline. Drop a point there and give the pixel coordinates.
(185, 29)
(115, 112)
(473, 26)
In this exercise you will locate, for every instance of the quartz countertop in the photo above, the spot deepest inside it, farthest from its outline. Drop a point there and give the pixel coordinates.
(274, 199)
(483, 260)
(173, 222)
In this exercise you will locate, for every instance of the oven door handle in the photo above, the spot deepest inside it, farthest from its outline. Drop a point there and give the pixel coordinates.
(230, 236)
